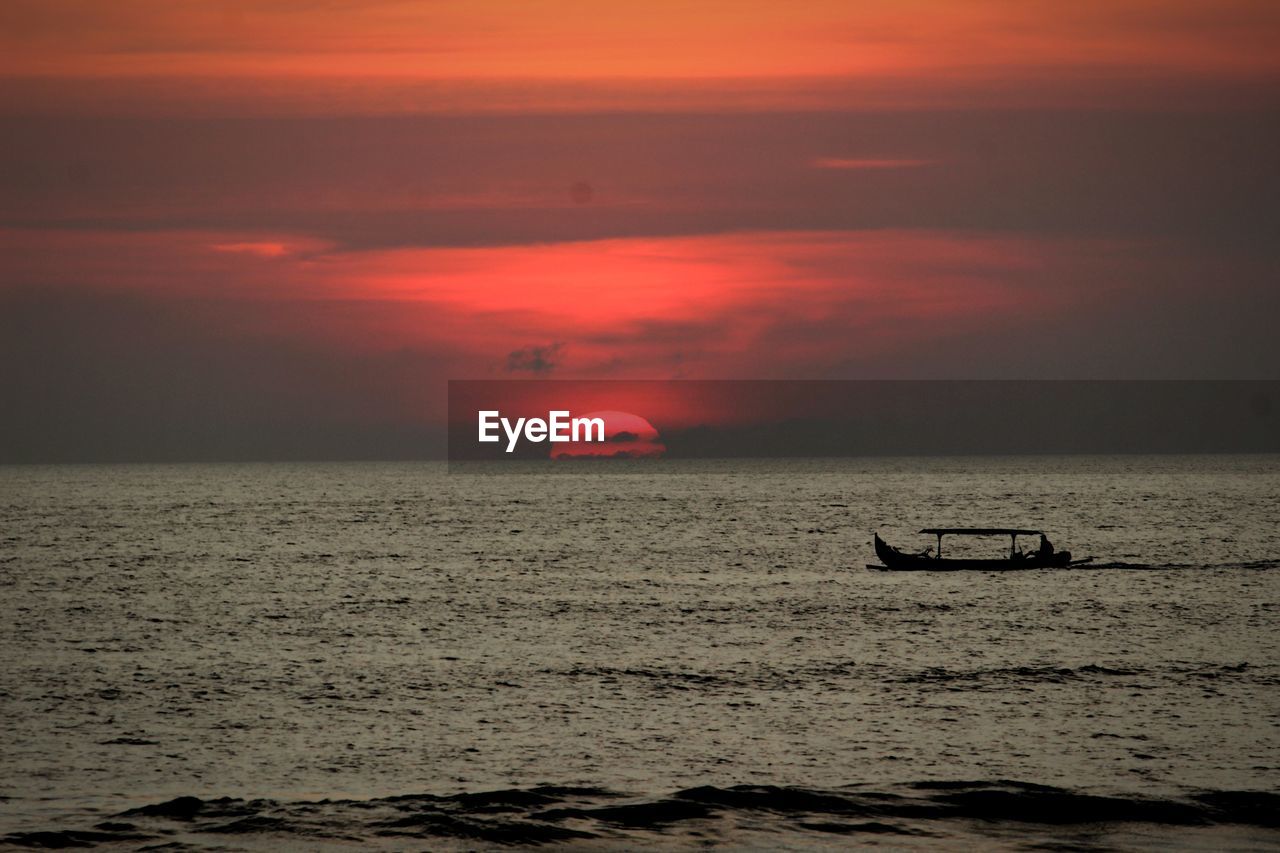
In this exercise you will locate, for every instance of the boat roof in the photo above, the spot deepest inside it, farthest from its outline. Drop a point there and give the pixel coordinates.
(980, 531)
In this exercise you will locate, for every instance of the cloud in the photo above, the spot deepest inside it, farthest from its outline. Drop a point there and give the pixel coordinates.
(380, 57)
(538, 360)
(363, 183)
(853, 164)
(263, 249)
(142, 345)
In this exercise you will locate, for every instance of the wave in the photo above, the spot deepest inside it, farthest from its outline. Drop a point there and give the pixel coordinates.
(1000, 677)
(955, 679)
(556, 815)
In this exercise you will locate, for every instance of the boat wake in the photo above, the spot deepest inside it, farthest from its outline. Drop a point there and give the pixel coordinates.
(1258, 565)
(1118, 565)
(558, 815)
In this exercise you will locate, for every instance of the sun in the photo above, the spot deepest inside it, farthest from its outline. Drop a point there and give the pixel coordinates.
(626, 436)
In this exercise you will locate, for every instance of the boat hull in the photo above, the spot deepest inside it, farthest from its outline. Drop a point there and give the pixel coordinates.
(932, 565)
(895, 560)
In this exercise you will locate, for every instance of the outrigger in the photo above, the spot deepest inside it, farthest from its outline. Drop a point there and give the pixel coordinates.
(1044, 557)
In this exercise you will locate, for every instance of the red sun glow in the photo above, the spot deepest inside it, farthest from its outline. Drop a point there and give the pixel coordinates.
(626, 436)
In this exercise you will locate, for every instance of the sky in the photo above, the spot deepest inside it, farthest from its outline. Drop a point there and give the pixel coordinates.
(275, 229)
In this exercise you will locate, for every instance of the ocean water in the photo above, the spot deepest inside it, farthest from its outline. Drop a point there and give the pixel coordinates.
(314, 656)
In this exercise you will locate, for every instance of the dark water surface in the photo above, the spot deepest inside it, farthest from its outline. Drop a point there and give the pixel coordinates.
(310, 656)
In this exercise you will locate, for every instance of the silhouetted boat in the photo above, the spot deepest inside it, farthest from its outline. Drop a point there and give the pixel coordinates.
(1043, 558)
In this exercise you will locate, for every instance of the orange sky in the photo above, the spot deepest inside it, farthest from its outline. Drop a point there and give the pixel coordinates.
(749, 305)
(369, 56)
(219, 214)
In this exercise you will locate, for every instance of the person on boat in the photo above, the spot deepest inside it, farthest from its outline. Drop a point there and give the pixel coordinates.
(1045, 551)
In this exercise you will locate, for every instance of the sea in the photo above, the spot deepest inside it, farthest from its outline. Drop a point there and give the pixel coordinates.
(663, 655)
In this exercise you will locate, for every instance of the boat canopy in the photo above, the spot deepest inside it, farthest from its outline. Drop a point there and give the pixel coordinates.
(979, 531)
